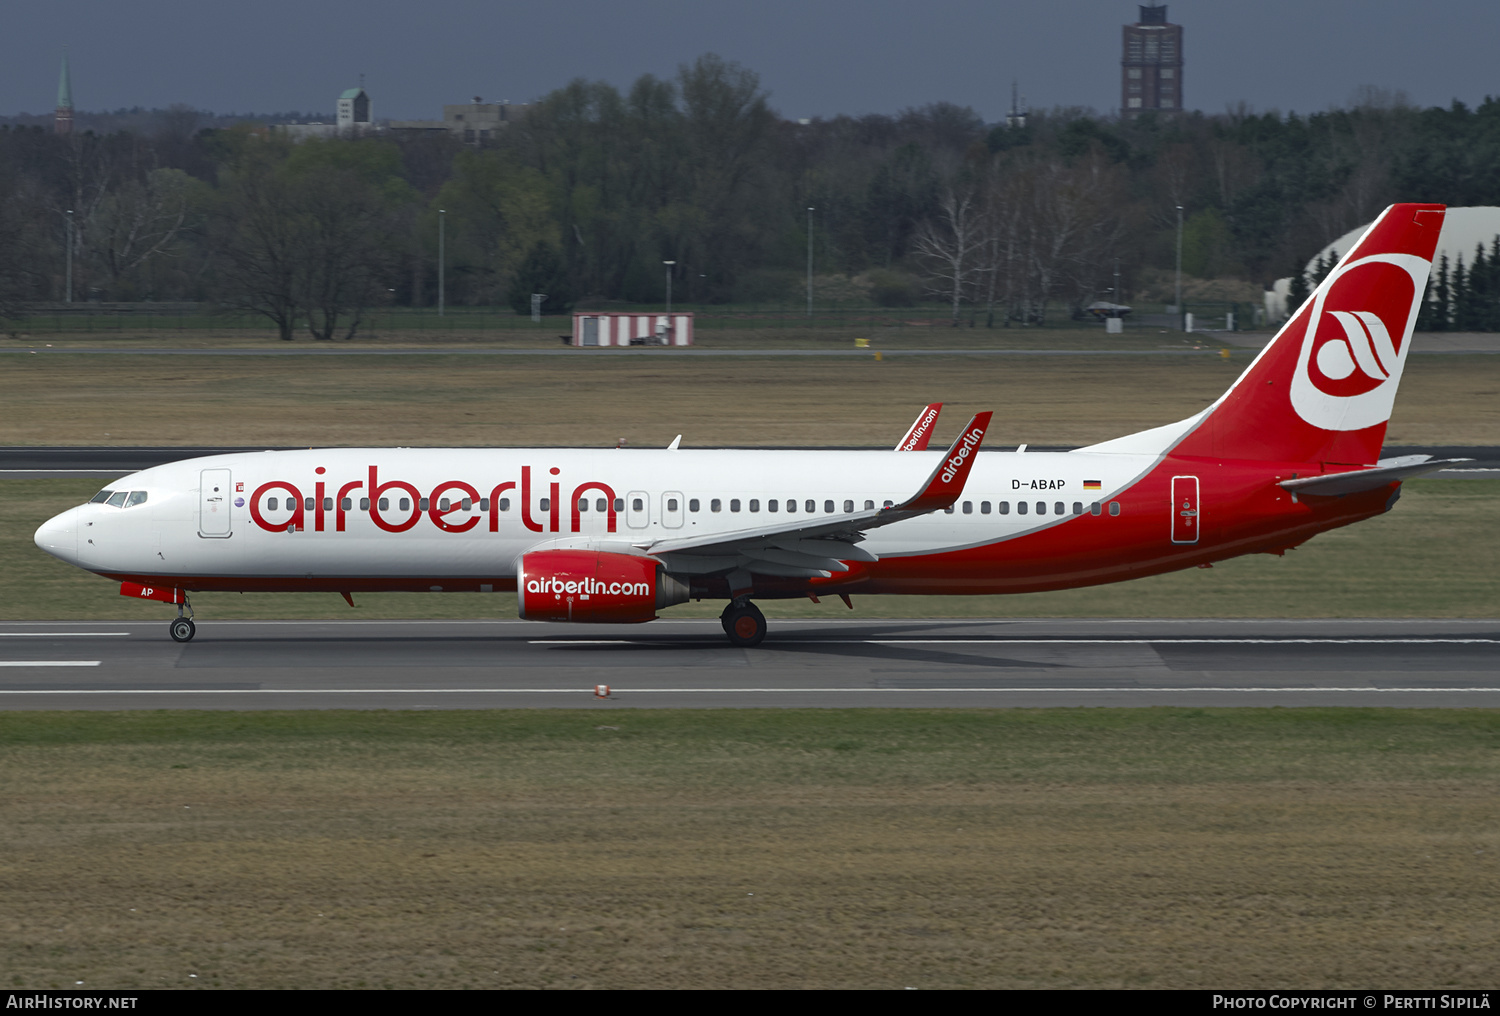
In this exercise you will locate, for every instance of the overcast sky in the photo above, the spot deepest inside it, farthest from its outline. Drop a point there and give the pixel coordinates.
(814, 57)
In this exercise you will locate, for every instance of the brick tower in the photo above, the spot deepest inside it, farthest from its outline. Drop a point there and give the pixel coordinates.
(1151, 65)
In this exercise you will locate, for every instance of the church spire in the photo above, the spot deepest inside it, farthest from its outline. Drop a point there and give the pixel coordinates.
(62, 119)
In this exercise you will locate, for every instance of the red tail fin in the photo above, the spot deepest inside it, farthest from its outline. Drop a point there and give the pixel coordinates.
(1322, 390)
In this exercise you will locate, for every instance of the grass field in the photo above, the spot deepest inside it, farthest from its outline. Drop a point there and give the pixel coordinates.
(1070, 848)
(1434, 555)
(593, 401)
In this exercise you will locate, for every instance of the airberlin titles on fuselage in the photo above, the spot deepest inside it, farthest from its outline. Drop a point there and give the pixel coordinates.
(375, 500)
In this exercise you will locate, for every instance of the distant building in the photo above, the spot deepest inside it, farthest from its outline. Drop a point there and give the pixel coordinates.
(62, 117)
(472, 122)
(354, 110)
(1151, 67)
(353, 118)
(1016, 118)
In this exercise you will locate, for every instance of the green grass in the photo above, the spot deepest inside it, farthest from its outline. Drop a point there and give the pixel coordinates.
(766, 749)
(1435, 555)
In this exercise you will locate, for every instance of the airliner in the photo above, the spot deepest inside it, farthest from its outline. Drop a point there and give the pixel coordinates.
(617, 535)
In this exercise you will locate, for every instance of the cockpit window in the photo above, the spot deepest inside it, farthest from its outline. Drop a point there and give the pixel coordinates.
(117, 499)
(101, 497)
(136, 497)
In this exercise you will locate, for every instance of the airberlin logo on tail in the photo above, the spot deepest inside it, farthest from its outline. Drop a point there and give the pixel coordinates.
(1357, 334)
(965, 449)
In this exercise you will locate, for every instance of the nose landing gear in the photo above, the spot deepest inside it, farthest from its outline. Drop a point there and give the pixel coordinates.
(183, 628)
(743, 623)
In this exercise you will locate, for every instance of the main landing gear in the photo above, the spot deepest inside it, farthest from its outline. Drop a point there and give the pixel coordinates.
(743, 623)
(183, 628)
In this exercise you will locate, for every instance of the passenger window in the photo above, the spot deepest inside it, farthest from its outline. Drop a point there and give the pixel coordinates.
(948, 510)
(812, 506)
(692, 504)
(1041, 507)
(1020, 507)
(636, 504)
(1077, 507)
(671, 504)
(444, 504)
(546, 504)
(1059, 508)
(504, 504)
(307, 504)
(484, 504)
(601, 504)
(771, 505)
(827, 507)
(755, 504)
(136, 497)
(385, 504)
(467, 504)
(364, 504)
(888, 504)
(1095, 508)
(968, 507)
(1114, 507)
(271, 503)
(619, 504)
(583, 504)
(328, 504)
(346, 503)
(848, 506)
(734, 504)
(101, 497)
(715, 505)
(1004, 507)
(984, 507)
(404, 504)
(791, 505)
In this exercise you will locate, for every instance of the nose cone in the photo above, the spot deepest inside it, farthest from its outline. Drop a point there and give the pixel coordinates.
(58, 536)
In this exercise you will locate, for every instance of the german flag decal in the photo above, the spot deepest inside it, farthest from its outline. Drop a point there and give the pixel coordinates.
(1091, 485)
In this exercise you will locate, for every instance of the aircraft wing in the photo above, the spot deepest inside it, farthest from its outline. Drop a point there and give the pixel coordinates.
(818, 547)
(1385, 471)
(921, 428)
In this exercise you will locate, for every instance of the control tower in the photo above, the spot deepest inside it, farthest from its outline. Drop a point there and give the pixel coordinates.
(1151, 64)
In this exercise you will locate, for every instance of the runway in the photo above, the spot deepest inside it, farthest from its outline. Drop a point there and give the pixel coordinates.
(905, 663)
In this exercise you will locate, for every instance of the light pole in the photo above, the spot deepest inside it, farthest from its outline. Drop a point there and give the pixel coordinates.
(442, 243)
(1179, 267)
(669, 265)
(68, 296)
(810, 210)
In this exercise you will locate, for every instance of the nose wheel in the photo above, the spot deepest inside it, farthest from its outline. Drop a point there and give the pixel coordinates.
(744, 624)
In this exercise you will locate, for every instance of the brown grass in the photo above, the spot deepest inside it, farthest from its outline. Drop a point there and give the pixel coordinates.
(595, 401)
(987, 850)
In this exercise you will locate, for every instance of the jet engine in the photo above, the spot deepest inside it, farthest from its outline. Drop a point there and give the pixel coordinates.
(586, 585)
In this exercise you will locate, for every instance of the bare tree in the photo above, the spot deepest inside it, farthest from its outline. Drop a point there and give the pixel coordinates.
(138, 221)
(951, 244)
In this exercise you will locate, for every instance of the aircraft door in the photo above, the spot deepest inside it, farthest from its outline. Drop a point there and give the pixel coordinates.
(1187, 520)
(637, 509)
(214, 497)
(671, 509)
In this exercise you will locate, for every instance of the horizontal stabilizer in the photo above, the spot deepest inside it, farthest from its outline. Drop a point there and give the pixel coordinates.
(1384, 472)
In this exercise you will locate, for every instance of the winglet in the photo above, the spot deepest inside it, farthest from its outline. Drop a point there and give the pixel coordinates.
(947, 481)
(921, 429)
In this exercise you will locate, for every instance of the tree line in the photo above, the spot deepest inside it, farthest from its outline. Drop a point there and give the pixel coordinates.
(588, 196)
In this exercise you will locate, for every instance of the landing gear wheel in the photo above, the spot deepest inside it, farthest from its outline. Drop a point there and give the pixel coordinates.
(183, 630)
(744, 624)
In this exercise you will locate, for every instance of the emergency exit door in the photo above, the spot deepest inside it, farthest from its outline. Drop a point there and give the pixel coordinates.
(214, 494)
(1187, 518)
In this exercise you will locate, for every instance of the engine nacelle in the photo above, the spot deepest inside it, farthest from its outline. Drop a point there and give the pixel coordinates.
(586, 585)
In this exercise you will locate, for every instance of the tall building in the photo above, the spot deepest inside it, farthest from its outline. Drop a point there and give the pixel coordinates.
(354, 109)
(1151, 67)
(62, 117)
